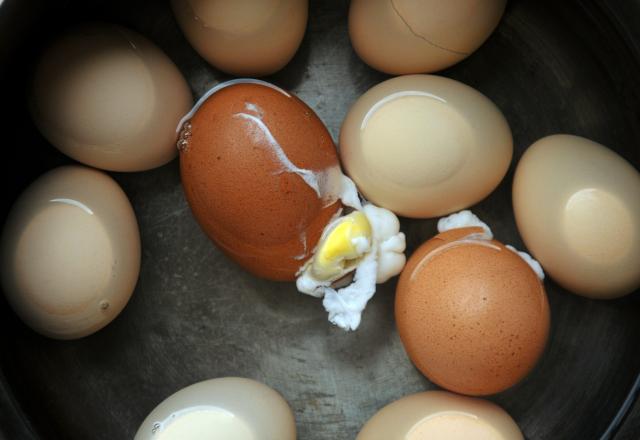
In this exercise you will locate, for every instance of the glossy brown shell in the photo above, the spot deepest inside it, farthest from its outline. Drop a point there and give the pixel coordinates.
(473, 318)
(266, 219)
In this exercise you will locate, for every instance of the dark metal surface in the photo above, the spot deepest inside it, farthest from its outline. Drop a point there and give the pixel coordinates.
(571, 67)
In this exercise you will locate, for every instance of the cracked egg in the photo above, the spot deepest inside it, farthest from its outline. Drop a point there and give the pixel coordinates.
(408, 36)
(261, 174)
(472, 313)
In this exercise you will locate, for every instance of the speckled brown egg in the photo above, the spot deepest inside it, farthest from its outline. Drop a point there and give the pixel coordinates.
(472, 314)
(259, 171)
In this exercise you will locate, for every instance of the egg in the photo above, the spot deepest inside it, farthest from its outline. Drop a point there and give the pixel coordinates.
(259, 171)
(244, 37)
(439, 415)
(229, 408)
(472, 314)
(261, 174)
(70, 252)
(424, 145)
(577, 207)
(108, 97)
(408, 36)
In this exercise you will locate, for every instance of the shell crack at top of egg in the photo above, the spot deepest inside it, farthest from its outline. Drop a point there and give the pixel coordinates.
(401, 16)
(466, 218)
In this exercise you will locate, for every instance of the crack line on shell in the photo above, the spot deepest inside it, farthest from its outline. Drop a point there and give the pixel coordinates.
(406, 23)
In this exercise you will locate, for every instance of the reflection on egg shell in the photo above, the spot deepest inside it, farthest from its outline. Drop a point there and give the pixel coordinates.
(577, 206)
(232, 408)
(258, 169)
(425, 145)
(439, 415)
(472, 314)
(108, 97)
(70, 252)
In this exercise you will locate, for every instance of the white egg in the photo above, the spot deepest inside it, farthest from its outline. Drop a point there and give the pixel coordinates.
(108, 97)
(229, 408)
(70, 252)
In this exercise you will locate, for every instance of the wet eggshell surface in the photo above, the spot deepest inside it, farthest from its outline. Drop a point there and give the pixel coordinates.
(70, 252)
(425, 145)
(253, 156)
(439, 415)
(229, 408)
(577, 207)
(407, 36)
(472, 315)
(108, 97)
(244, 37)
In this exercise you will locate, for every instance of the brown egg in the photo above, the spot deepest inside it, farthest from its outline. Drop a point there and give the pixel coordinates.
(260, 171)
(472, 314)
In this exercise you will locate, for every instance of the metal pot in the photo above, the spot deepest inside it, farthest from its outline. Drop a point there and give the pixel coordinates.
(571, 66)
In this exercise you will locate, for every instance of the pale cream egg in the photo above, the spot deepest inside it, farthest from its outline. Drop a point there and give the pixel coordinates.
(425, 145)
(229, 408)
(440, 415)
(577, 207)
(244, 37)
(70, 252)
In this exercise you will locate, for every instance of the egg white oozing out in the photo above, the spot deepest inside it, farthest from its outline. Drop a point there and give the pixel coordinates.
(373, 257)
(372, 249)
(466, 218)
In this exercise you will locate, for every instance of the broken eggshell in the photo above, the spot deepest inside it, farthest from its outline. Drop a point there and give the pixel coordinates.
(261, 174)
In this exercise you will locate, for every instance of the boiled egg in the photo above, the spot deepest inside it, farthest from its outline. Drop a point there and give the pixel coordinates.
(472, 313)
(244, 37)
(425, 145)
(70, 252)
(229, 408)
(439, 415)
(108, 97)
(577, 207)
(262, 177)
(407, 36)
